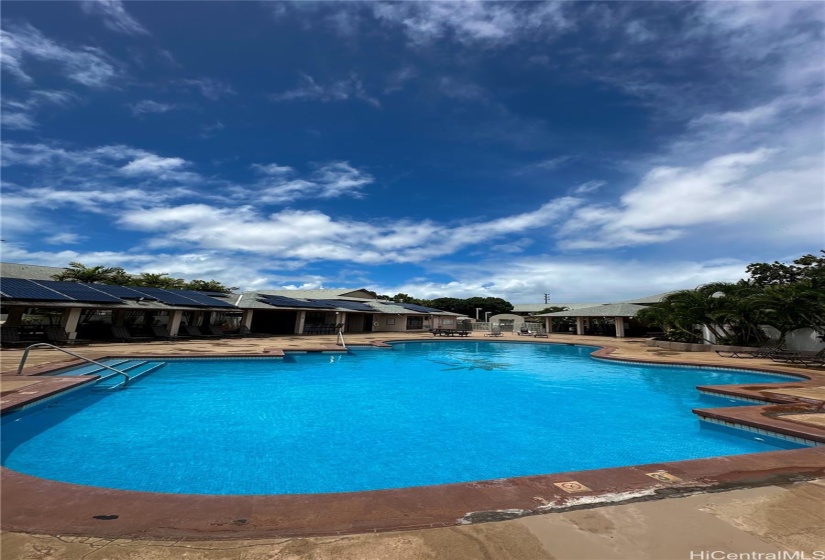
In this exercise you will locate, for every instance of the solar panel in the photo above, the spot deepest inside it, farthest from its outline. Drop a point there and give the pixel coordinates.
(169, 297)
(281, 301)
(203, 298)
(18, 288)
(419, 308)
(123, 292)
(79, 292)
(214, 294)
(351, 305)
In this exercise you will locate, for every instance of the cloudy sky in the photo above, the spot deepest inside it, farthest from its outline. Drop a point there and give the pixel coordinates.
(590, 151)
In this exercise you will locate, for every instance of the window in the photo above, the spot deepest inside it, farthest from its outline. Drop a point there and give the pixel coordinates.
(415, 323)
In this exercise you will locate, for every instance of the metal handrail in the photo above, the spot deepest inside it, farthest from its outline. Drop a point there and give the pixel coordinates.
(341, 338)
(46, 345)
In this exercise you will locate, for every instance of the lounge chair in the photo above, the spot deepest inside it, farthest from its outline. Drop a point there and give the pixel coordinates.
(195, 332)
(798, 357)
(541, 333)
(524, 331)
(59, 337)
(245, 331)
(162, 333)
(216, 331)
(10, 338)
(123, 334)
(763, 352)
(494, 331)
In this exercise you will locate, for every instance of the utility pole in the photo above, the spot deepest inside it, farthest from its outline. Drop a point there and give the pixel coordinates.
(546, 298)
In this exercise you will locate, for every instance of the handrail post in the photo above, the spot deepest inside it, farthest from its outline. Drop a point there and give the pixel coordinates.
(47, 345)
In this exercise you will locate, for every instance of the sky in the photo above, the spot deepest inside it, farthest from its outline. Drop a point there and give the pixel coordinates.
(591, 151)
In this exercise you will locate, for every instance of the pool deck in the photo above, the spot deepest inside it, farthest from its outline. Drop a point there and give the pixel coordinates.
(538, 517)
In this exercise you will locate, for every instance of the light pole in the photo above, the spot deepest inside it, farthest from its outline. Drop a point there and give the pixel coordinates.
(487, 316)
(477, 310)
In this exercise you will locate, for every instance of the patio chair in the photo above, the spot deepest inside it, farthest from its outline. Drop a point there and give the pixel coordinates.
(494, 331)
(246, 332)
(524, 331)
(162, 333)
(123, 334)
(765, 351)
(59, 337)
(541, 333)
(10, 338)
(216, 331)
(798, 357)
(195, 332)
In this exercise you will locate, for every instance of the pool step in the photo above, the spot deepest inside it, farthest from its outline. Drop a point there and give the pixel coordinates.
(92, 369)
(134, 369)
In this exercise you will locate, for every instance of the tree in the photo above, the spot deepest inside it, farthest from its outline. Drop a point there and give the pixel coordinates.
(808, 269)
(158, 280)
(77, 272)
(208, 286)
(786, 297)
(551, 309)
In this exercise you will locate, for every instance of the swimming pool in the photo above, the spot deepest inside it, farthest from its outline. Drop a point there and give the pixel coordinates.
(422, 413)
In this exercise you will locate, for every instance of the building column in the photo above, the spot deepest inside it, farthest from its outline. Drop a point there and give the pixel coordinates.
(619, 326)
(174, 322)
(580, 325)
(118, 317)
(342, 318)
(15, 317)
(548, 324)
(246, 318)
(69, 321)
(300, 321)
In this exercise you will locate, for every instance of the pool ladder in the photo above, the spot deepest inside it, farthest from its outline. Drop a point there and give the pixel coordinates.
(125, 375)
(340, 341)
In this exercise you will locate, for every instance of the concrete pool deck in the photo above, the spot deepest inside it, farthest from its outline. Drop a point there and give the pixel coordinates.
(33, 507)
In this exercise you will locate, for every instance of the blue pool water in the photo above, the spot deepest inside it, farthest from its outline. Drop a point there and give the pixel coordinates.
(423, 413)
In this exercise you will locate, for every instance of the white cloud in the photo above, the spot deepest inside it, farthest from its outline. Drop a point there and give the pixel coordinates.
(341, 90)
(588, 187)
(18, 121)
(314, 236)
(551, 163)
(211, 88)
(21, 115)
(152, 164)
(331, 180)
(88, 66)
(65, 239)
(273, 169)
(474, 22)
(115, 16)
(568, 280)
(732, 191)
(147, 106)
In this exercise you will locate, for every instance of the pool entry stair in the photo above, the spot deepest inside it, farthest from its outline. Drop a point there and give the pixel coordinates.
(106, 368)
(135, 369)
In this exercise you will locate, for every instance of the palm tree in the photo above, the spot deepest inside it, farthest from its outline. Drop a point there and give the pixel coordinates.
(158, 280)
(76, 272)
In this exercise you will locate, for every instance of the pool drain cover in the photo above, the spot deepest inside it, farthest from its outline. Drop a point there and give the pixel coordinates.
(105, 517)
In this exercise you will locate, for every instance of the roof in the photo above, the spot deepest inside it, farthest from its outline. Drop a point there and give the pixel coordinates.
(28, 292)
(332, 302)
(535, 307)
(648, 299)
(29, 271)
(606, 310)
(325, 293)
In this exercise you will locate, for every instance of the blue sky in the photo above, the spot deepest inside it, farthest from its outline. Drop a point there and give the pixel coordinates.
(591, 151)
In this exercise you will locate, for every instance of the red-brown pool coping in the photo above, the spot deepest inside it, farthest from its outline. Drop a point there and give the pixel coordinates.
(35, 505)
